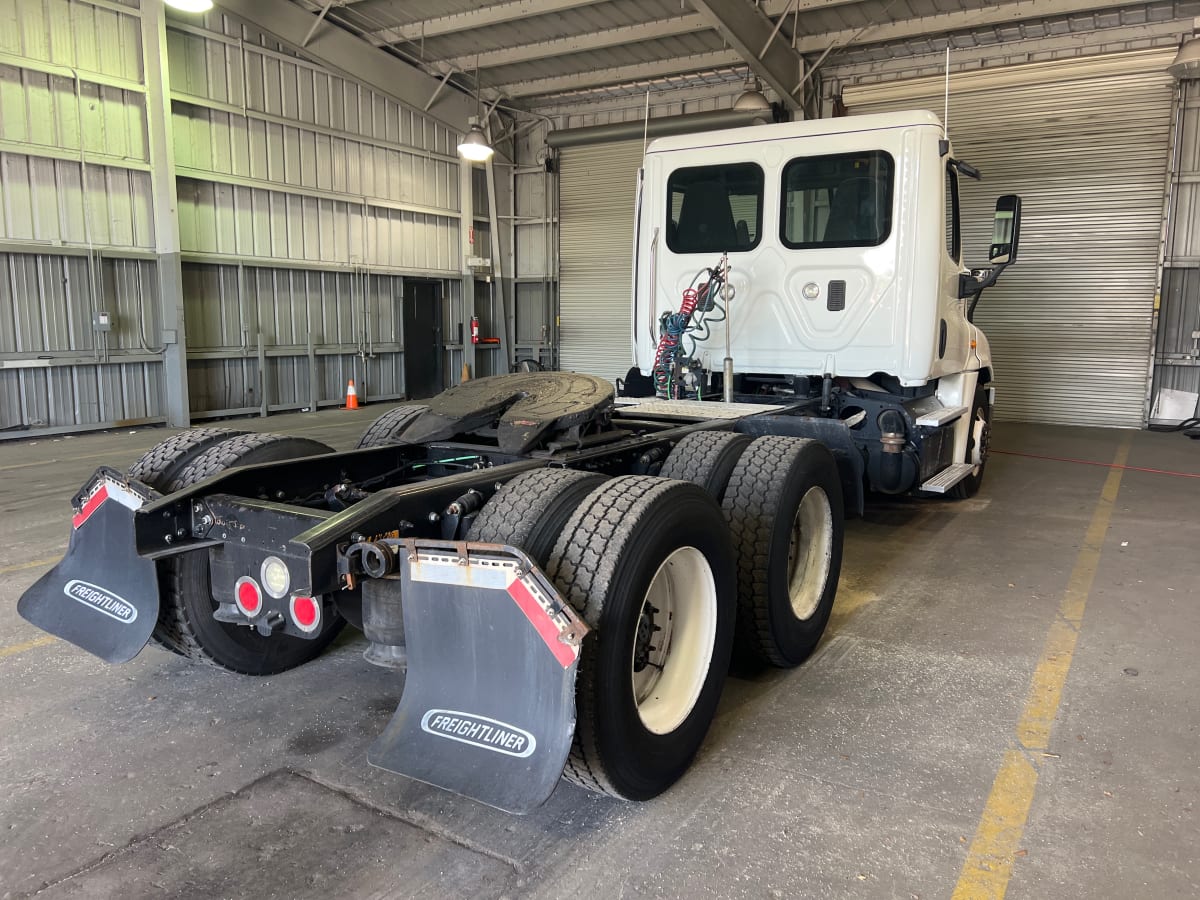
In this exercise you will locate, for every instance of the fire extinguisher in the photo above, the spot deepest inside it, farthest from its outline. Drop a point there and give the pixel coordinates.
(474, 329)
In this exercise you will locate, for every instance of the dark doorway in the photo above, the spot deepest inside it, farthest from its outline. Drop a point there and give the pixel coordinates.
(422, 338)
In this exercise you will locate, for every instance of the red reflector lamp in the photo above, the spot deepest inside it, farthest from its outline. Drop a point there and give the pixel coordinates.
(248, 596)
(306, 612)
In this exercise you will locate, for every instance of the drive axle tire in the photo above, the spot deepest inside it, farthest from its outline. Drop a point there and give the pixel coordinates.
(531, 511)
(386, 429)
(159, 466)
(784, 507)
(706, 458)
(185, 616)
(648, 565)
(978, 441)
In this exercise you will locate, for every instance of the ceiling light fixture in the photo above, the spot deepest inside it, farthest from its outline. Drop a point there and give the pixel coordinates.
(474, 145)
(1187, 61)
(752, 98)
(190, 6)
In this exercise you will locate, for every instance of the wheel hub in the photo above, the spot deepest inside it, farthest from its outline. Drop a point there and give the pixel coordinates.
(643, 645)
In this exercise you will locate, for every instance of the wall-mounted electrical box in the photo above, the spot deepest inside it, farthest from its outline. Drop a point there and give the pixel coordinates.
(102, 322)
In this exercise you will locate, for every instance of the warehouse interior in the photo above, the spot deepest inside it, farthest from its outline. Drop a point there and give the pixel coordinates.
(225, 216)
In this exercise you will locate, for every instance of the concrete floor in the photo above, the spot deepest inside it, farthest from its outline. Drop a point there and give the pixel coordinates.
(863, 773)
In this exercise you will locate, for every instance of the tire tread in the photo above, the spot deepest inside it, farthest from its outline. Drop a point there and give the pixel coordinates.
(581, 567)
(514, 513)
(383, 430)
(754, 492)
(156, 467)
(704, 456)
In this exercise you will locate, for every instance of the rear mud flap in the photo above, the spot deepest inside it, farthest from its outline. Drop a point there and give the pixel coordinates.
(488, 709)
(102, 597)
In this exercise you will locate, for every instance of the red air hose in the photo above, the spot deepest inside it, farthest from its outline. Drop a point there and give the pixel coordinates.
(668, 344)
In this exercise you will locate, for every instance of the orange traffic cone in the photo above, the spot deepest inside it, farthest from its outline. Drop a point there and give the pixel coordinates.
(351, 396)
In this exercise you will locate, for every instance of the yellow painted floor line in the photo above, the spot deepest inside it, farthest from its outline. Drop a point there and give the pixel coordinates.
(14, 649)
(989, 864)
(40, 462)
(32, 564)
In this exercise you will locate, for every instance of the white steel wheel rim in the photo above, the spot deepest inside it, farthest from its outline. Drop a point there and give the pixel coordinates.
(684, 594)
(810, 552)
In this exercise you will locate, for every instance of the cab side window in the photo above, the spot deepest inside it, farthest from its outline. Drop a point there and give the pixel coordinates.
(953, 235)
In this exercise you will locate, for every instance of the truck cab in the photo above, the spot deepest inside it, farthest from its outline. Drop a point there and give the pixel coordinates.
(842, 244)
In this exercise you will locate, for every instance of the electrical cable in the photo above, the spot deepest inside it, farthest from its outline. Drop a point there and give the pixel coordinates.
(1181, 426)
(1092, 462)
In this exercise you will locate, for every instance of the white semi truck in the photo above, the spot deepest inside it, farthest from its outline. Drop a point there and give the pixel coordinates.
(560, 578)
(842, 240)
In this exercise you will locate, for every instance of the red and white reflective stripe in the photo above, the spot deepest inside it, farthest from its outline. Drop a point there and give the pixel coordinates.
(306, 612)
(91, 506)
(108, 490)
(548, 630)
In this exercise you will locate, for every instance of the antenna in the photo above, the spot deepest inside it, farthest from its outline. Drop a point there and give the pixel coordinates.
(946, 101)
(646, 126)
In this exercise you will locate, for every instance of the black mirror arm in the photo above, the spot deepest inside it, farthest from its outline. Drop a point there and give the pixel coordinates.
(966, 169)
(971, 286)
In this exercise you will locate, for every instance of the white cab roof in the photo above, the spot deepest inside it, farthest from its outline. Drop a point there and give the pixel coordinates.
(786, 130)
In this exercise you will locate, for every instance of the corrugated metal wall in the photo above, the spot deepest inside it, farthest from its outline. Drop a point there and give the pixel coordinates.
(77, 233)
(304, 199)
(1085, 142)
(1177, 350)
(599, 193)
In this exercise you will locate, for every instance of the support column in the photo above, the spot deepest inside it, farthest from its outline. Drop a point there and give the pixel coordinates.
(466, 202)
(507, 321)
(166, 218)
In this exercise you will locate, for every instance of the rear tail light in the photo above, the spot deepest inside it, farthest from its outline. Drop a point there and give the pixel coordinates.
(306, 612)
(247, 595)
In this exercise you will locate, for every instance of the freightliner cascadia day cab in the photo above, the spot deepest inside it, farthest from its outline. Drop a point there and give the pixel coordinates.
(843, 246)
(559, 578)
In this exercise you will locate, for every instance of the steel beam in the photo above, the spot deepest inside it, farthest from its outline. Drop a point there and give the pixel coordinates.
(346, 53)
(596, 40)
(960, 20)
(476, 18)
(316, 23)
(748, 29)
(165, 202)
(718, 59)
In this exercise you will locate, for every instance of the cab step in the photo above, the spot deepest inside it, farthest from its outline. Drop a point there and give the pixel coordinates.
(938, 417)
(947, 478)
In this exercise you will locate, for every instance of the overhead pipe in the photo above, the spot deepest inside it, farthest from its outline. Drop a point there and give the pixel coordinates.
(660, 127)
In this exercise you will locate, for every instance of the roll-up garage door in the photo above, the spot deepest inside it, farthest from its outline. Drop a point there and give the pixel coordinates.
(1085, 142)
(596, 208)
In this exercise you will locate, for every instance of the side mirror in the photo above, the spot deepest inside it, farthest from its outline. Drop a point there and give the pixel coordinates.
(1006, 230)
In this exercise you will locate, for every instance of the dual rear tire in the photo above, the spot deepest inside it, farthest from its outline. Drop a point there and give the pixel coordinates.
(648, 564)
(671, 581)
